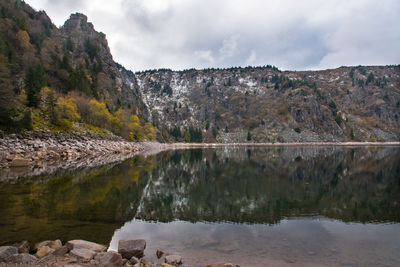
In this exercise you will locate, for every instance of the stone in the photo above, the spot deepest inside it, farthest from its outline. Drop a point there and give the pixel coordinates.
(56, 244)
(37, 246)
(20, 162)
(220, 265)
(83, 253)
(134, 260)
(72, 265)
(144, 262)
(23, 247)
(130, 248)
(61, 251)
(173, 259)
(159, 253)
(164, 265)
(44, 251)
(7, 251)
(72, 244)
(51, 244)
(109, 259)
(22, 258)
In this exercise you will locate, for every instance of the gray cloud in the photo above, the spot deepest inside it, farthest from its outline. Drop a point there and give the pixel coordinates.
(291, 34)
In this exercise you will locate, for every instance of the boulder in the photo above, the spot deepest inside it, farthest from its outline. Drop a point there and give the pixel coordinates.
(7, 251)
(44, 251)
(173, 259)
(109, 259)
(23, 247)
(220, 265)
(72, 244)
(83, 253)
(22, 258)
(55, 244)
(61, 251)
(20, 162)
(130, 248)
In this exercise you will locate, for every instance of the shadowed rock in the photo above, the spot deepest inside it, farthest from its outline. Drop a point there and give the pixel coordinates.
(7, 251)
(130, 248)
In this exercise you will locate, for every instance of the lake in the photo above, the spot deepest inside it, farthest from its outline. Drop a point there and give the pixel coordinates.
(251, 206)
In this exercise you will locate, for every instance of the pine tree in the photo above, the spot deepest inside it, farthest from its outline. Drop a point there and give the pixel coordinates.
(34, 81)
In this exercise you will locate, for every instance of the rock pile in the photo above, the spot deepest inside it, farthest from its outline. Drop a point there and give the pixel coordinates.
(81, 253)
(34, 154)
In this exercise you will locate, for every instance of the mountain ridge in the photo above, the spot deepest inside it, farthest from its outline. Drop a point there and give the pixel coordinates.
(237, 104)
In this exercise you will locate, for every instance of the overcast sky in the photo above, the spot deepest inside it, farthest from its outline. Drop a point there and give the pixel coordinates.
(290, 34)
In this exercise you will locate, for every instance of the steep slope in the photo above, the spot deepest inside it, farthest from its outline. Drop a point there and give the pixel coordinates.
(264, 104)
(34, 54)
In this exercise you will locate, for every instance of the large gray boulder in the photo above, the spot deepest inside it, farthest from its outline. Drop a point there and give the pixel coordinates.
(7, 251)
(130, 248)
(109, 259)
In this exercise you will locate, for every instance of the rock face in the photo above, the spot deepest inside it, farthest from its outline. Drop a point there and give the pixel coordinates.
(7, 251)
(82, 244)
(109, 259)
(344, 104)
(131, 248)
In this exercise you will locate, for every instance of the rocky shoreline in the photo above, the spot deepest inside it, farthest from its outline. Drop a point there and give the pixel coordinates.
(42, 152)
(34, 153)
(81, 253)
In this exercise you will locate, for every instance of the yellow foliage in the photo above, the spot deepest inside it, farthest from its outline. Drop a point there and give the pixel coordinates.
(23, 39)
(66, 108)
(100, 116)
(66, 112)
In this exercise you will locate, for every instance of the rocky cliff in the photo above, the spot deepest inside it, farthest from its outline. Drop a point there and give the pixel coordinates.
(263, 104)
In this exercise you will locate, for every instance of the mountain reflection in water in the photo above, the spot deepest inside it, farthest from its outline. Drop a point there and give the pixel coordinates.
(253, 186)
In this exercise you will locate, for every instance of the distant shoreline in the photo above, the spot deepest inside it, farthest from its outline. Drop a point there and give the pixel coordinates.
(211, 145)
(27, 157)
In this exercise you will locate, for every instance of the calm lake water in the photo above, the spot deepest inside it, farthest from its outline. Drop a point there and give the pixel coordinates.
(252, 206)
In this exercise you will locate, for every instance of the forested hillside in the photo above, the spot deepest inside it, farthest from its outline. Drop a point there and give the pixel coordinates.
(64, 79)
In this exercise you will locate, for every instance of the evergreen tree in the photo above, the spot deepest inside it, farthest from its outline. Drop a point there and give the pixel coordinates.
(34, 81)
(248, 136)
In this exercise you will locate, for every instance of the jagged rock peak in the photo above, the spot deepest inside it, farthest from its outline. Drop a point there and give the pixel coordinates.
(78, 21)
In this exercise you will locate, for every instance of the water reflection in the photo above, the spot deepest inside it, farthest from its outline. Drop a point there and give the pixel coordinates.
(265, 185)
(191, 189)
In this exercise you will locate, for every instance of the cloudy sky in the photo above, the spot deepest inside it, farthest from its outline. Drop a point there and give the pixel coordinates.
(290, 34)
